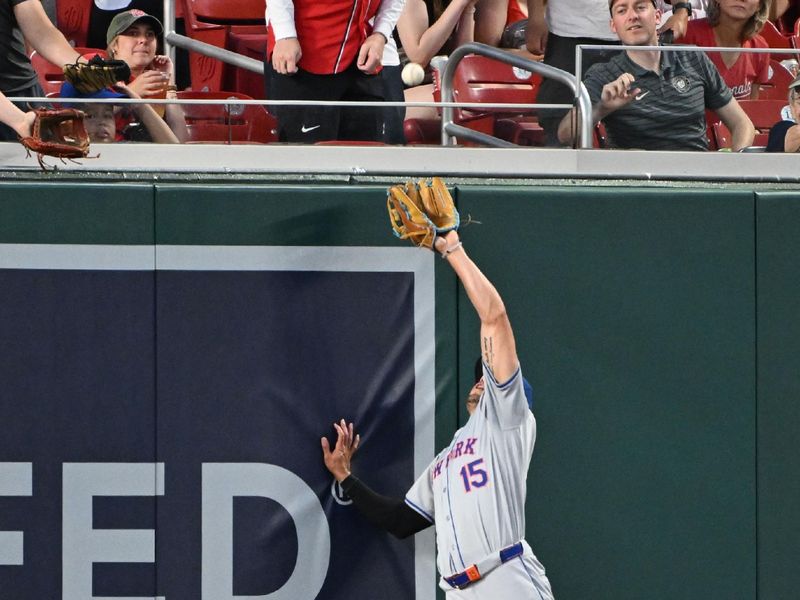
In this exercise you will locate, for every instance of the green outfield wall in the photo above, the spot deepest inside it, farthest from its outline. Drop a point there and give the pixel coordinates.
(659, 326)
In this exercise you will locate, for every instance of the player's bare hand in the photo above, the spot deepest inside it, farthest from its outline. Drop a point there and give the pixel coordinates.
(618, 93)
(337, 459)
(285, 56)
(371, 53)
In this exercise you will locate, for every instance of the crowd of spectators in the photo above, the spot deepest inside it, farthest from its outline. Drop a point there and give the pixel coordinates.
(644, 99)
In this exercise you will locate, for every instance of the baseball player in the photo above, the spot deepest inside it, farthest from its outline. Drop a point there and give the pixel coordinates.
(473, 492)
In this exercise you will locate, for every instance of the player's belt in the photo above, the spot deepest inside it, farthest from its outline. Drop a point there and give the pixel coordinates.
(481, 569)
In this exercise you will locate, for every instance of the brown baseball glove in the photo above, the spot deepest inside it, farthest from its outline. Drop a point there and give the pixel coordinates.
(60, 133)
(420, 212)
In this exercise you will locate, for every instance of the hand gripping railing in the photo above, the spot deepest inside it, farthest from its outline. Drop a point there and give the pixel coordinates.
(451, 129)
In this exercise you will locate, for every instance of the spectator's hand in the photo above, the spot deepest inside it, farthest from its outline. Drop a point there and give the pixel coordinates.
(338, 460)
(150, 83)
(536, 33)
(677, 22)
(371, 53)
(285, 56)
(617, 94)
(164, 64)
(24, 127)
(123, 88)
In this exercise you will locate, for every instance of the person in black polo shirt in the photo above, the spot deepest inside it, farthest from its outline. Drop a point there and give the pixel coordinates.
(654, 100)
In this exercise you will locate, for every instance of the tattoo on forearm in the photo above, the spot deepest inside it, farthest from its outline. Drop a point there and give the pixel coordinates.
(488, 353)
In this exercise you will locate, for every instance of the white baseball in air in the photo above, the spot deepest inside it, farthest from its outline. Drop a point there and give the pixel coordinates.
(412, 74)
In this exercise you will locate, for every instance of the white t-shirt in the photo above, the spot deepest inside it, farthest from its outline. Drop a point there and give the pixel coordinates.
(580, 18)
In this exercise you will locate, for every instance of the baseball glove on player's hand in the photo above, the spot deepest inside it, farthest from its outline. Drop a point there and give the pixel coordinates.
(59, 133)
(97, 74)
(420, 212)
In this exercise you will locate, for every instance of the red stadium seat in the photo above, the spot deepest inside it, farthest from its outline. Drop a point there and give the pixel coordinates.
(763, 113)
(51, 76)
(72, 18)
(775, 39)
(779, 80)
(226, 124)
(483, 80)
(241, 29)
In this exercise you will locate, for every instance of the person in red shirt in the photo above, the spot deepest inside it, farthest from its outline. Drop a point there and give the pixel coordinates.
(327, 51)
(734, 24)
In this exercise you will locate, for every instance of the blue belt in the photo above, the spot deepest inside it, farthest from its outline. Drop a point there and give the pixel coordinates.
(475, 572)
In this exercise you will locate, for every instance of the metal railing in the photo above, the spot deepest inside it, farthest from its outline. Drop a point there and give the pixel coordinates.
(450, 129)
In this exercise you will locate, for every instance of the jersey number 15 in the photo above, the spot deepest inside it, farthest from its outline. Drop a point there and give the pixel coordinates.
(473, 475)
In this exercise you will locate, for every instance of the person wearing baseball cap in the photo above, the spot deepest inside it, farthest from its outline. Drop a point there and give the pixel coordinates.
(654, 100)
(784, 136)
(132, 36)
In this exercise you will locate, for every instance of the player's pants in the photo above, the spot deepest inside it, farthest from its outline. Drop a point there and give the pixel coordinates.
(522, 578)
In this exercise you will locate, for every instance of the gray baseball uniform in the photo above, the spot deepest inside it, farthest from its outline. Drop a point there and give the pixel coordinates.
(474, 493)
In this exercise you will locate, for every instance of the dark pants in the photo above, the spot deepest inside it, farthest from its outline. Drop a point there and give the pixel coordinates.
(310, 124)
(393, 116)
(6, 133)
(560, 53)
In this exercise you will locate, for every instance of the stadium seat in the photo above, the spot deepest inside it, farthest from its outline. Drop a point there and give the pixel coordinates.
(227, 124)
(483, 80)
(779, 79)
(763, 113)
(51, 76)
(242, 30)
(72, 18)
(422, 131)
(775, 39)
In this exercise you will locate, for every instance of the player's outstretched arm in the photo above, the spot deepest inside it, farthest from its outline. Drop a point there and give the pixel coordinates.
(498, 349)
(391, 514)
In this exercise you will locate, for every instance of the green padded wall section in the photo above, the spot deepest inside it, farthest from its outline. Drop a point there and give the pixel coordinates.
(307, 215)
(71, 213)
(778, 254)
(633, 311)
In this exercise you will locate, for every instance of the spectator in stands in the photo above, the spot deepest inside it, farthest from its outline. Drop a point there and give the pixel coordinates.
(101, 122)
(784, 136)
(678, 23)
(133, 37)
(15, 119)
(656, 100)
(565, 25)
(426, 31)
(22, 20)
(318, 51)
(494, 17)
(734, 24)
(516, 25)
(104, 11)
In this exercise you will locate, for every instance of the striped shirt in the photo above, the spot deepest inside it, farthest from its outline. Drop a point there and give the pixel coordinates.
(669, 113)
